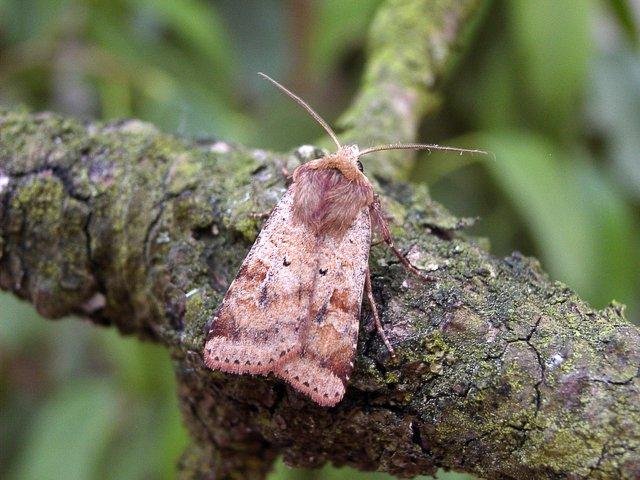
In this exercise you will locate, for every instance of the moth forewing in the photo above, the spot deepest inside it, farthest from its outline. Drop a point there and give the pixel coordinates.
(328, 334)
(294, 307)
(256, 325)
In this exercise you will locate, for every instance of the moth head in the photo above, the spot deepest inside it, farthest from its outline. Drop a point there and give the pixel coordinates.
(353, 166)
(344, 160)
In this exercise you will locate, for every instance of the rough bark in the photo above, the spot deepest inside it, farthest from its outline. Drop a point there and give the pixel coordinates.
(500, 371)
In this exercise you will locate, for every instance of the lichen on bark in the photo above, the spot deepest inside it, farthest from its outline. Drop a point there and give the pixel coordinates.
(499, 371)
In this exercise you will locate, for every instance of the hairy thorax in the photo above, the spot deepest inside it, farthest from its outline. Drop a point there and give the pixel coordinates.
(329, 194)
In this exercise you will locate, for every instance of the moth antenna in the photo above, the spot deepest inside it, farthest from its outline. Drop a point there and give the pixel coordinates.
(304, 105)
(419, 146)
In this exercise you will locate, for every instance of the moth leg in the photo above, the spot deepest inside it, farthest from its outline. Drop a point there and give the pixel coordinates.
(261, 215)
(374, 312)
(407, 264)
(377, 215)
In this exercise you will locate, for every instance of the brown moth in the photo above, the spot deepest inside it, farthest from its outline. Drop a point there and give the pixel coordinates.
(294, 308)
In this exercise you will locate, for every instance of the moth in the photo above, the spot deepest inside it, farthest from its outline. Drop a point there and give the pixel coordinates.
(293, 309)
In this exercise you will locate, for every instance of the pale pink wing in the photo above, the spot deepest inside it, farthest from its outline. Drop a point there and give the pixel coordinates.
(259, 319)
(329, 334)
(294, 307)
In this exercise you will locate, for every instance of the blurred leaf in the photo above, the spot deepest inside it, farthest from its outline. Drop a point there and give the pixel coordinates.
(115, 98)
(553, 50)
(152, 431)
(172, 436)
(337, 26)
(613, 106)
(282, 472)
(431, 167)
(69, 433)
(153, 427)
(22, 20)
(261, 37)
(493, 101)
(198, 23)
(19, 322)
(178, 93)
(615, 269)
(587, 236)
(141, 365)
(547, 196)
(623, 12)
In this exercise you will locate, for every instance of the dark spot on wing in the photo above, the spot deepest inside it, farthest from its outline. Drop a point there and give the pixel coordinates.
(322, 313)
(286, 262)
(323, 271)
(263, 300)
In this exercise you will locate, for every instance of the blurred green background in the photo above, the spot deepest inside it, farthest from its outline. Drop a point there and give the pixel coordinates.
(552, 87)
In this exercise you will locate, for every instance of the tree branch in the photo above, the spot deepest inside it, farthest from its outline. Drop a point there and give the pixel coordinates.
(499, 371)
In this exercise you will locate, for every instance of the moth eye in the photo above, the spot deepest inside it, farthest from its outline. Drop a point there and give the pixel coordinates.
(360, 167)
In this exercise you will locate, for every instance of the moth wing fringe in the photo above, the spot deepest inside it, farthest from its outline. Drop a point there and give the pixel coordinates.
(308, 377)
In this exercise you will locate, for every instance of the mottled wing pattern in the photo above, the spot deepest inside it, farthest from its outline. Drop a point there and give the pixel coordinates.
(294, 307)
(329, 334)
(258, 321)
